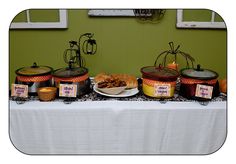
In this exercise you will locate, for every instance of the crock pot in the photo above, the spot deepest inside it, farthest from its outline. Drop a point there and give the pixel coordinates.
(75, 75)
(191, 77)
(155, 78)
(35, 77)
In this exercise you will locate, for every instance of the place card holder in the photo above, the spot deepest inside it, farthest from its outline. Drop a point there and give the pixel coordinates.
(163, 91)
(19, 93)
(204, 93)
(68, 92)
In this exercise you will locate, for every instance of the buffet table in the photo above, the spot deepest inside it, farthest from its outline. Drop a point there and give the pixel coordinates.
(111, 126)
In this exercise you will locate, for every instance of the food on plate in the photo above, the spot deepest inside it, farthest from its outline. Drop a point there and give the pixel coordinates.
(101, 77)
(112, 86)
(131, 81)
(111, 83)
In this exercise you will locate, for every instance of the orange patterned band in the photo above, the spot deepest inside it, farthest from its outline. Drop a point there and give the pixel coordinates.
(195, 81)
(33, 78)
(72, 79)
(153, 82)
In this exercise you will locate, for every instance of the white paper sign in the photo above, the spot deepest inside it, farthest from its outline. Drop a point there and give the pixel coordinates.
(162, 90)
(67, 90)
(19, 90)
(204, 91)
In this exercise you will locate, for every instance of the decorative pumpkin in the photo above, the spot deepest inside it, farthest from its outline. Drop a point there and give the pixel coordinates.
(223, 85)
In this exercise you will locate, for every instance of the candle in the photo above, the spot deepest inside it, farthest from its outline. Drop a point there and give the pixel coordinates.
(173, 66)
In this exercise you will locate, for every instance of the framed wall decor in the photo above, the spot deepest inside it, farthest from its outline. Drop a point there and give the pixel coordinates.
(213, 20)
(111, 12)
(40, 19)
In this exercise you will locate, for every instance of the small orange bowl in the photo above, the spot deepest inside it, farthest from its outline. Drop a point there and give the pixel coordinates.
(47, 93)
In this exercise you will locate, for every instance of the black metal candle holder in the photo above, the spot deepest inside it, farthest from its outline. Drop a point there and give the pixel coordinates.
(88, 47)
(174, 52)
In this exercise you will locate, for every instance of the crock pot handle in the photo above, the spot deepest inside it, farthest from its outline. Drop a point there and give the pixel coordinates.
(199, 68)
(159, 67)
(70, 64)
(34, 65)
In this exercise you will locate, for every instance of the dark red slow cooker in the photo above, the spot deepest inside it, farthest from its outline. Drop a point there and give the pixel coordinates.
(193, 79)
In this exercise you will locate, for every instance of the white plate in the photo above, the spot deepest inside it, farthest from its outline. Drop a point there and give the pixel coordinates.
(125, 93)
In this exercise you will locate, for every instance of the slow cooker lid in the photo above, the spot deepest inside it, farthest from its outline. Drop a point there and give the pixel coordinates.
(199, 73)
(159, 72)
(70, 72)
(34, 70)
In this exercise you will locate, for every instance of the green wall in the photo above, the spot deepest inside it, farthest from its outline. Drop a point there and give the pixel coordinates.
(124, 44)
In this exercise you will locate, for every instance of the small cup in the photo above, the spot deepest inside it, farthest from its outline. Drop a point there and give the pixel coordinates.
(47, 93)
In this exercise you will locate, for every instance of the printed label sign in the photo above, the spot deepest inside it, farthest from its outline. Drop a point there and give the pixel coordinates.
(19, 90)
(162, 90)
(204, 91)
(67, 90)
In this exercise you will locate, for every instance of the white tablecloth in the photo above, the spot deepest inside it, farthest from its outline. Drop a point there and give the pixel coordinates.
(117, 127)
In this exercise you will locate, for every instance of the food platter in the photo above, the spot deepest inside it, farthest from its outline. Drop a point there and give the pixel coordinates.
(125, 93)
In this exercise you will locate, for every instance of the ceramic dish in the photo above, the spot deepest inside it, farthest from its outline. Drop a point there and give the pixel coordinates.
(124, 93)
(112, 91)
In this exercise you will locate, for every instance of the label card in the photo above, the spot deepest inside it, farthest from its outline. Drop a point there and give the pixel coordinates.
(204, 91)
(19, 90)
(162, 90)
(67, 90)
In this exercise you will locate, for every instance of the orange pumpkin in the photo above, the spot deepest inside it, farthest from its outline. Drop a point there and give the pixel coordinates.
(223, 85)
